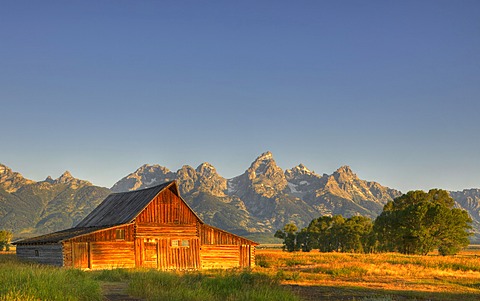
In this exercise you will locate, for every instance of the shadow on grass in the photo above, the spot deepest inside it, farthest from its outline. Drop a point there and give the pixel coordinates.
(349, 293)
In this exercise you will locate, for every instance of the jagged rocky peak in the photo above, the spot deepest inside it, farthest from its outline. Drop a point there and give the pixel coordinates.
(49, 180)
(344, 174)
(206, 169)
(186, 177)
(5, 172)
(11, 181)
(299, 170)
(66, 177)
(208, 180)
(267, 179)
(264, 165)
(145, 176)
(302, 180)
(155, 168)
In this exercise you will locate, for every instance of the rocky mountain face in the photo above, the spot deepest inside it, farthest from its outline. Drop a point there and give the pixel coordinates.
(11, 181)
(29, 208)
(265, 197)
(261, 200)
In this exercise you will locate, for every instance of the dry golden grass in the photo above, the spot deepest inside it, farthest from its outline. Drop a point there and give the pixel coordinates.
(401, 277)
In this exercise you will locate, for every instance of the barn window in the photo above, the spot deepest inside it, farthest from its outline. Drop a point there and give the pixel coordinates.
(174, 242)
(120, 234)
(36, 253)
(185, 243)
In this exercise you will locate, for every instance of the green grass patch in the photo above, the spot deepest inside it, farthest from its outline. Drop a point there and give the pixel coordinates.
(218, 286)
(24, 281)
(113, 275)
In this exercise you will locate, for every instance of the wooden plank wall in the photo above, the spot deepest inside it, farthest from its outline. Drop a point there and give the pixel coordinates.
(108, 255)
(67, 254)
(168, 257)
(102, 245)
(167, 208)
(213, 236)
(106, 235)
(159, 231)
(220, 256)
(47, 254)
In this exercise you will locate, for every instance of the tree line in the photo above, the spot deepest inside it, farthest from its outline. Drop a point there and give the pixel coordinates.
(417, 222)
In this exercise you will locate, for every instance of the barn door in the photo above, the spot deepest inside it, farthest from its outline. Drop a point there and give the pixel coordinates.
(150, 259)
(81, 255)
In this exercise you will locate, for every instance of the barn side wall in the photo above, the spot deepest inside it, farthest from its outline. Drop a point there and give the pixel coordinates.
(108, 255)
(45, 254)
(101, 250)
(223, 250)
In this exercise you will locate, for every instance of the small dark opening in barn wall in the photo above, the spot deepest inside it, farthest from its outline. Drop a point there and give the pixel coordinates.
(36, 253)
(120, 234)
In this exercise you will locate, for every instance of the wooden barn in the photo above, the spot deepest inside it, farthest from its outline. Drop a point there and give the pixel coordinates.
(152, 228)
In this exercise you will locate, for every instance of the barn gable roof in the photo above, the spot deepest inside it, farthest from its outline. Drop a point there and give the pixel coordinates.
(124, 207)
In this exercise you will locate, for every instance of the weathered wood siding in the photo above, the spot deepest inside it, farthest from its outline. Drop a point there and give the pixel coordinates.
(220, 256)
(108, 255)
(101, 249)
(221, 249)
(177, 253)
(107, 235)
(213, 236)
(166, 233)
(45, 254)
(166, 208)
(151, 231)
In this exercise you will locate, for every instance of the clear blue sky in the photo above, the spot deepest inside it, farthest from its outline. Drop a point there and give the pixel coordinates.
(391, 88)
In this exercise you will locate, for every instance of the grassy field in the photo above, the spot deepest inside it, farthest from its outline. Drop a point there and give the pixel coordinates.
(26, 282)
(391, 276)
(278, 276)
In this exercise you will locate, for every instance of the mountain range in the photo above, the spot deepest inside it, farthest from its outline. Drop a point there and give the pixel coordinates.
(255, 204)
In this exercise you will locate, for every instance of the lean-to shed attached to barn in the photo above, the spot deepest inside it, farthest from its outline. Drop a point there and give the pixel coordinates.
(152, 227)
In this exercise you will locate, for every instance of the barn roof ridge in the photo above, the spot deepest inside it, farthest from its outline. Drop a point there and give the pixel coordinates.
(122, 208)
(166, 184)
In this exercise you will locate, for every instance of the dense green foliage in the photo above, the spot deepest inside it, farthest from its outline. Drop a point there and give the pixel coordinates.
(5, 238)
(337, 234)
(414, 223)
(419, 222)
(289, 236)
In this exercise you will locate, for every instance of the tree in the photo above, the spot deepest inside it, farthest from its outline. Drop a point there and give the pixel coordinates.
(338, 234)
(5, 238)
(356, 234)
(289, 235)
(418, 222)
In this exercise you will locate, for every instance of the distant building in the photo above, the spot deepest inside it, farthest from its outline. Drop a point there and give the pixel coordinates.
(152, 228)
